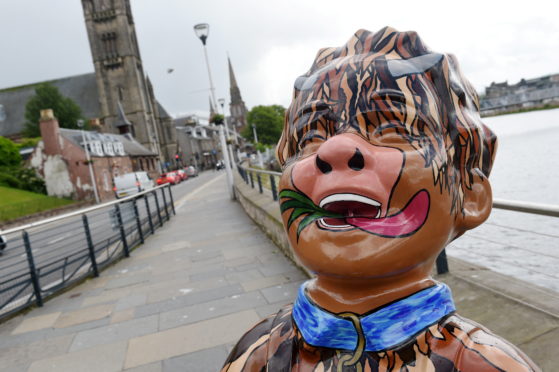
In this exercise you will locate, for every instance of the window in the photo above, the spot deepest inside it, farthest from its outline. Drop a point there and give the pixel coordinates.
(109, 44)
(118, 148)
(98, 149)
(108, 148)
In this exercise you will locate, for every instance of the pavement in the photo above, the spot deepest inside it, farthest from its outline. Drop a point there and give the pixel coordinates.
(183, 299)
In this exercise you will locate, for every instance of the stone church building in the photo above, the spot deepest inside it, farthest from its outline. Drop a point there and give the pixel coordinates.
(118, 80)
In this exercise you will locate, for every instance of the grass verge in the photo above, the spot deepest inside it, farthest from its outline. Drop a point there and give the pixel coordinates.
(15, 203)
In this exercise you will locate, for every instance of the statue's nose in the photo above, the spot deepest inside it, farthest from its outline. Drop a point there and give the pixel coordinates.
(341, 152)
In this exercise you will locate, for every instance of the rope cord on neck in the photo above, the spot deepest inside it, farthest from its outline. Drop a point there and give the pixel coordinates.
(348, 359)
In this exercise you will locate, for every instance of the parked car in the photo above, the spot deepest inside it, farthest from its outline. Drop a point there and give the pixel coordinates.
(131, 183)
(169, 177)
(177, 176)
(191, 171)
(182, 173)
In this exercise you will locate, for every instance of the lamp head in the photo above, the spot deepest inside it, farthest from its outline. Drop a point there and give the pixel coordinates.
(202, 31)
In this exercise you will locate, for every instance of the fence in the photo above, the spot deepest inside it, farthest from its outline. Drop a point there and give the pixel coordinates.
(267, 181)
(45, 257)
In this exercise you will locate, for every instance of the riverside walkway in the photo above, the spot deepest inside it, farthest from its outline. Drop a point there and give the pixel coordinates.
(183, 298)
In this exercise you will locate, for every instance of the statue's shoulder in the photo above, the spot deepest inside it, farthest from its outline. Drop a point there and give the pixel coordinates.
(263, 344)
(470, 346)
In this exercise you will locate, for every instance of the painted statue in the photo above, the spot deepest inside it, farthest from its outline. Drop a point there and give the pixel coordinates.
(385, 161)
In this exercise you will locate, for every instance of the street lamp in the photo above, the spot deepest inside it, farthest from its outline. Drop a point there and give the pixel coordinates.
(91, 175)
(202, 31)
(233, 131)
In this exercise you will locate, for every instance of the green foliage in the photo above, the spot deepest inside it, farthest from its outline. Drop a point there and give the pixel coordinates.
(9, 153)
(28, 142)
(16, 203)
(262, 147)
(268, 121)
(217, 119)
(48, 96)
(302, 206)
(22, 178)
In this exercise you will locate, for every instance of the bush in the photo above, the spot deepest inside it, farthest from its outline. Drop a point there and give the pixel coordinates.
(22, 178)
(9, 153)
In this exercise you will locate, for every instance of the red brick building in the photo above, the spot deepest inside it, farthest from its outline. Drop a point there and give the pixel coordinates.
(61, 159)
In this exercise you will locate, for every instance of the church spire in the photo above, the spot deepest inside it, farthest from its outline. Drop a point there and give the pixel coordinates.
(232, 80)
(237, 106)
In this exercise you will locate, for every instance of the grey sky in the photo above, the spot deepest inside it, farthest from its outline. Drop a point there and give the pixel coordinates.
(272, 42)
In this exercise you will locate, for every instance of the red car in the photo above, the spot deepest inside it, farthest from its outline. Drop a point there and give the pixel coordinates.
(182, 173)
(170, 177)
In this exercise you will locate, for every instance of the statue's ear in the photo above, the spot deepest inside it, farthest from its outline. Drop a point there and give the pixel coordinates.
(478, 201)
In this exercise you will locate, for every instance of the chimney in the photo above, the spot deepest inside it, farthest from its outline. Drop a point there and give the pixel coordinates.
(50, 132)
(95, 124)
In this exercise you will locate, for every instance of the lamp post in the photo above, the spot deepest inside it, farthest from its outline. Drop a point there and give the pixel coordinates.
(260, 160)
(229, 146)
(202, 31)
(222, 104)
(88, 158)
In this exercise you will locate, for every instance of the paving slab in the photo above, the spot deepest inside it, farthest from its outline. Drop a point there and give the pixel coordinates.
(86, 315)
(190, 338)
(36, 323)
(211, 309)
(106, 358)
(20, 358)
(115, 332)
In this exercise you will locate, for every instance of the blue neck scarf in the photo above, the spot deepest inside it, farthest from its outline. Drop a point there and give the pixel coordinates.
(383, 329)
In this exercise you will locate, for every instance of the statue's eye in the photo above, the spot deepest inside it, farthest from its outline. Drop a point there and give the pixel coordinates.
(312, 136)
(391, 133)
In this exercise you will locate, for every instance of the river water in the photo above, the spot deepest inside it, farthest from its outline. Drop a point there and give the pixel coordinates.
(526, 169)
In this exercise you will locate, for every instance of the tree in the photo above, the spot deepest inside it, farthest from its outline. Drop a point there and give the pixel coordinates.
(268, 121)
(12, 172)
(9, 153)
(217, 119)
(48, 96)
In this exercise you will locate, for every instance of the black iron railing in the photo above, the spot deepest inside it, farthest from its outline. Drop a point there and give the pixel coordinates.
(44, 257)
(267, 181)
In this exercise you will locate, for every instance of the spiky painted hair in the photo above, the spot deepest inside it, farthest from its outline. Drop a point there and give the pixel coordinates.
(391, 81)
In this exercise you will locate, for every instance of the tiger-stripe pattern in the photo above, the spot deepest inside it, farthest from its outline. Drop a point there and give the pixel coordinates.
(386, 83)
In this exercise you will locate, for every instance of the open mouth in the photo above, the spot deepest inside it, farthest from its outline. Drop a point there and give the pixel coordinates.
(365, 214)
(349, 206)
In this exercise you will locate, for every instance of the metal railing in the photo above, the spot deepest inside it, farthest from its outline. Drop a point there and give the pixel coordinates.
(268, 180)
(44, 257)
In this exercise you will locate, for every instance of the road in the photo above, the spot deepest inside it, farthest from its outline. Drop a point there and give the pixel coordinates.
(60, 248)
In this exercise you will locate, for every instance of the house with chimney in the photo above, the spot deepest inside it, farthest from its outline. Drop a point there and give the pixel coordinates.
(60, 158)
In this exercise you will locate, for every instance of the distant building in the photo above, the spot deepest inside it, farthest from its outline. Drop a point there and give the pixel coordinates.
(60, 159)
(198, 143)
(120, 75)
(237, 108)
(533, 93)
(119, 81)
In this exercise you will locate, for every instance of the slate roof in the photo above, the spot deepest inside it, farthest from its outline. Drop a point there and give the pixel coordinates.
(131, 146)
(80, 88)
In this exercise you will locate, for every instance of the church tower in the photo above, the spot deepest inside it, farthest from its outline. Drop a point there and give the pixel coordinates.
(119, 71)
(237, 106)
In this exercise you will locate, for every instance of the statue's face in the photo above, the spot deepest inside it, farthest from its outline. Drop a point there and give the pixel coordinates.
(362, 197)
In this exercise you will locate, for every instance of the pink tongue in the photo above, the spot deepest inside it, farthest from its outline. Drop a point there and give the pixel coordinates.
(404, 223)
